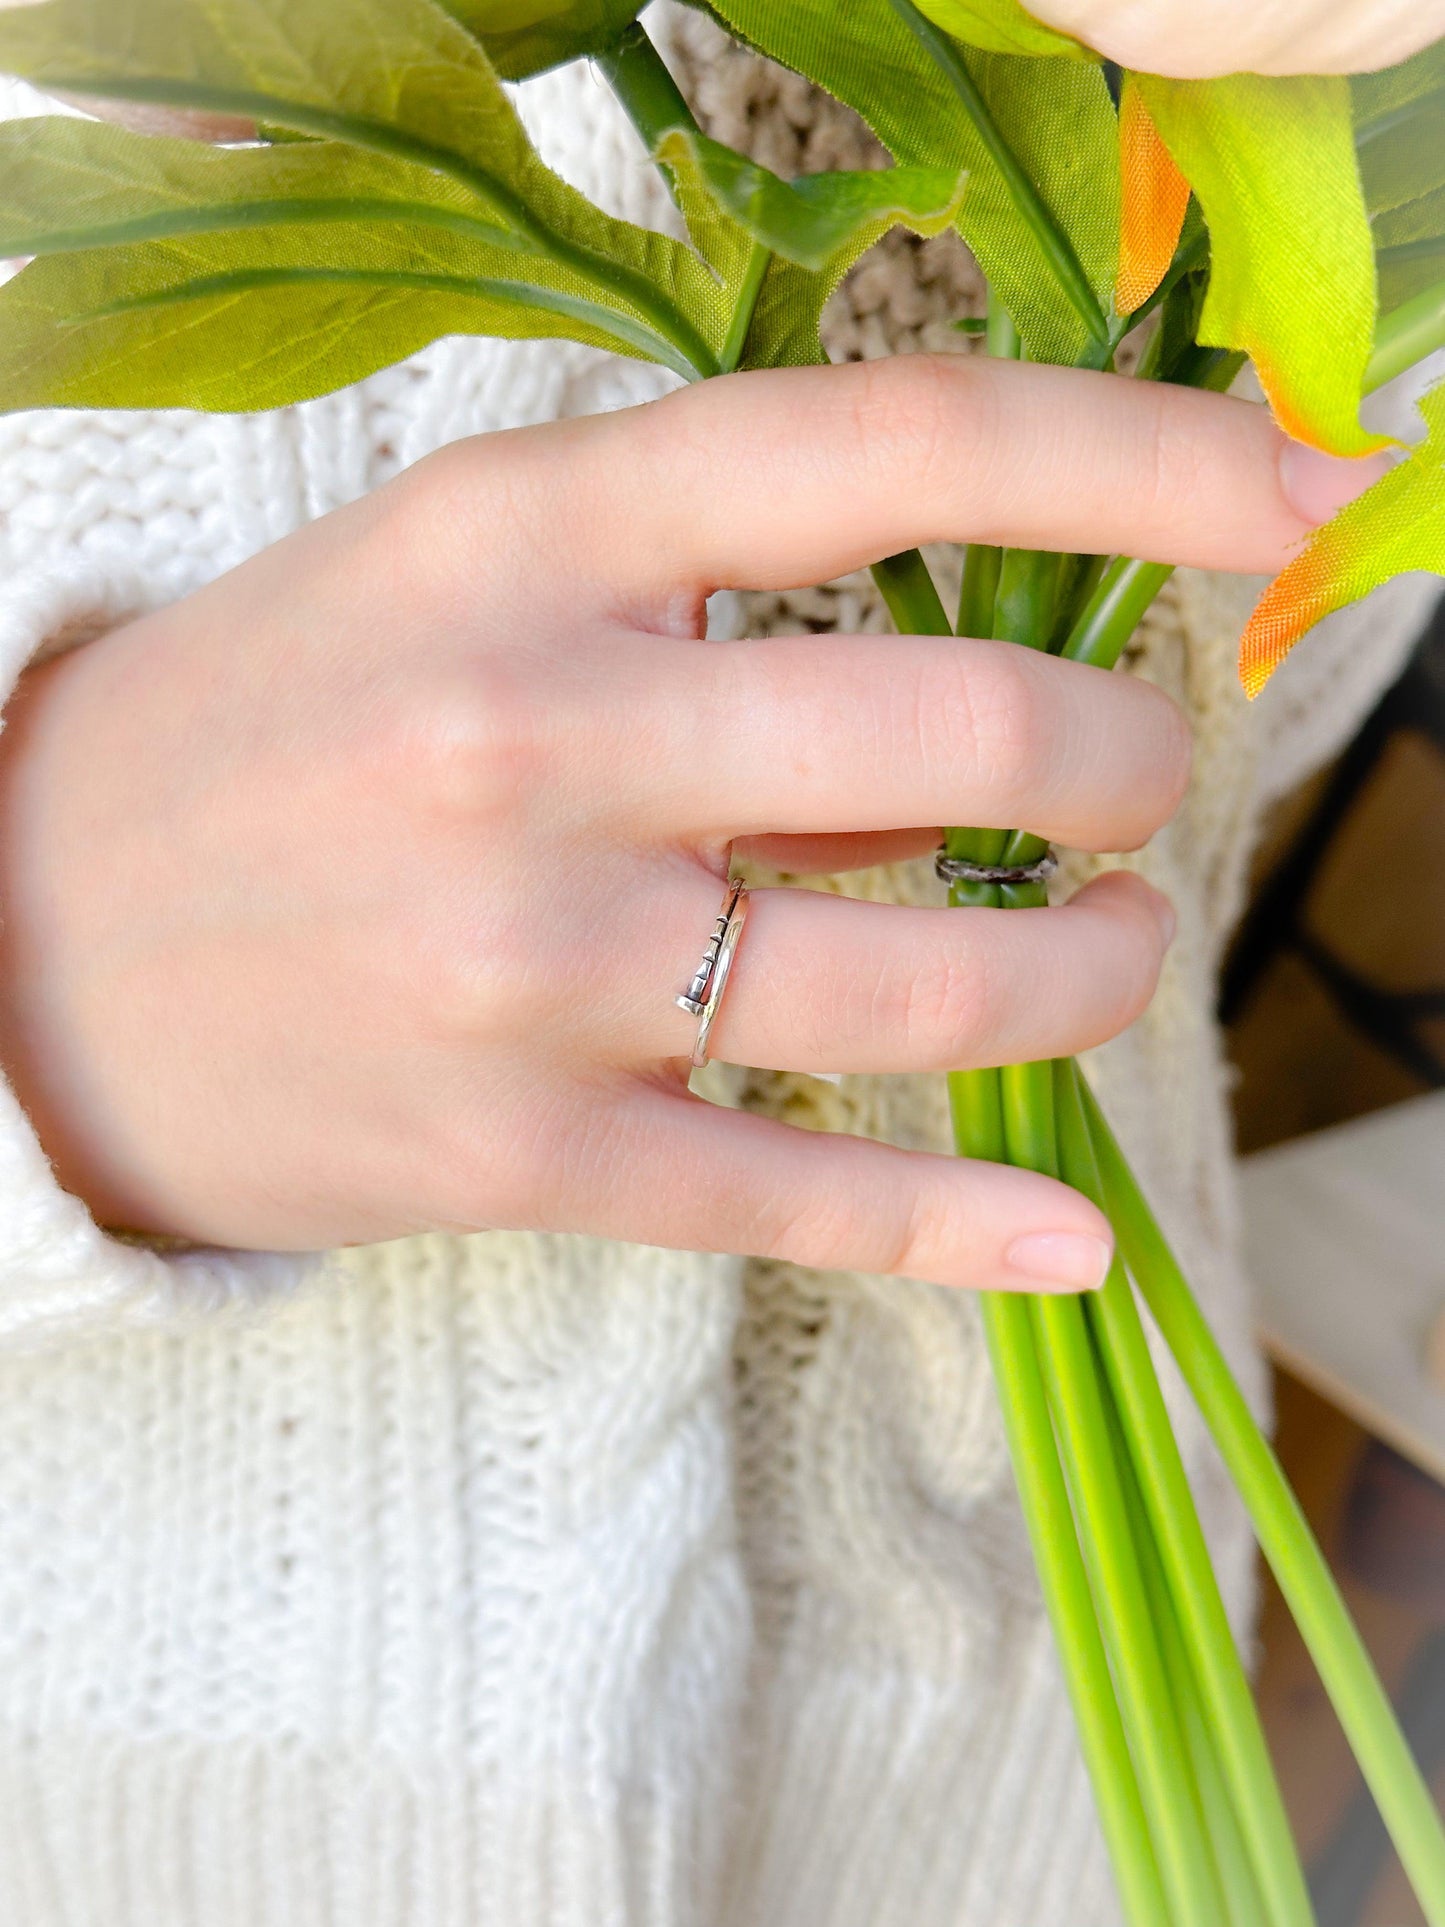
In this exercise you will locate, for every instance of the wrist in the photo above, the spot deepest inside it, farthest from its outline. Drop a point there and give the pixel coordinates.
(38, 1053)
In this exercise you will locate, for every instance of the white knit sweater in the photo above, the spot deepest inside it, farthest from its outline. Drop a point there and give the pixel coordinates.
(525, 1581)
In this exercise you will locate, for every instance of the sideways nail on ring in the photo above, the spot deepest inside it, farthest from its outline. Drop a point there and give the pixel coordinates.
(704, 994)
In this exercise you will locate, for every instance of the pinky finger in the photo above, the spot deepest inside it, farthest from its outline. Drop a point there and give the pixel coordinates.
(688, 1174)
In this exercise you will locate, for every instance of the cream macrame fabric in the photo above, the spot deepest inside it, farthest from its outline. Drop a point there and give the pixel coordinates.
(527, 1581)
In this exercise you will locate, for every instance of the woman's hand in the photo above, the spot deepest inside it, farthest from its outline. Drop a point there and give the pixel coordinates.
(350, 895)
(1198, 39)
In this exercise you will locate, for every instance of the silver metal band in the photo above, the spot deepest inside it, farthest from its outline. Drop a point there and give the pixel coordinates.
(694, 998)
(704, 994)
(958, 869)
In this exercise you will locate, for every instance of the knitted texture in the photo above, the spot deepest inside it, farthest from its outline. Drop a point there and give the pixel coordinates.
(512, 1580)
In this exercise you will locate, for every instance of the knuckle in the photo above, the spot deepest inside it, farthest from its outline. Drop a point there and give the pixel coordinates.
(1007, 721)
(475, 743)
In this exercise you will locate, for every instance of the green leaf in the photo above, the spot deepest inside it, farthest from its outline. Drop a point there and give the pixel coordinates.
(1273, 165)
(1400, 138)
(1391, 96)
(396, 77)
(1402, 155)
(525, 37)
(399, 103)
(781, 247)
(73, 184)
(1411, 252)
(812, 219)
(1394, 527)
(1001, 26)
(259, 317)
(1037, 138)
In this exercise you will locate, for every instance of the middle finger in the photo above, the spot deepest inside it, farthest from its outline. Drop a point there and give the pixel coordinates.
(817, 735)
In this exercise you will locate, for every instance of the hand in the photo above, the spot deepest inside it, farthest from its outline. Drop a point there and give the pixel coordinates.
(1199, 41)
(349, 896)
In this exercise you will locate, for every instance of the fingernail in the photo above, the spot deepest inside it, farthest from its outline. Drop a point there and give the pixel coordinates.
(1317, 485)
(1067, 1260)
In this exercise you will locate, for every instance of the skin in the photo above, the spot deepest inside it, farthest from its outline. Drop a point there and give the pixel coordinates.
(1200, 39)
(348, 896)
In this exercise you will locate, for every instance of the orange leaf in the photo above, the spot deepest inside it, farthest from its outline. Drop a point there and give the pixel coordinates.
(1398, 524)
(1154, 200)
(1293, 603)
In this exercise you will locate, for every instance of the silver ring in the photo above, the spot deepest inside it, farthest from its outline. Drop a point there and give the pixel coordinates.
(959, 869)
(703, 995)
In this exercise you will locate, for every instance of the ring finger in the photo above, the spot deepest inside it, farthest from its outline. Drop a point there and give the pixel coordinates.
(825, 983)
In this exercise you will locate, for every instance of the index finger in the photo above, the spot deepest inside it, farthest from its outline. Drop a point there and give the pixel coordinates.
(791, 476)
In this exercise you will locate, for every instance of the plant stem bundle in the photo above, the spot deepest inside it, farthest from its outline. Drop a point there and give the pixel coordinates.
(1186, 1791)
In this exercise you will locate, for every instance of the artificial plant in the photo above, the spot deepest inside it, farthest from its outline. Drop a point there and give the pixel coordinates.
(392, 197)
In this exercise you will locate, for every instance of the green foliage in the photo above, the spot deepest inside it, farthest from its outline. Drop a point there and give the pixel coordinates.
(177, 275)
(797, 239)
(1037, 138)
(1273, 165)
(812, 220)
(1400, 135)
(525, 37)
(236, 306)
(76, 184)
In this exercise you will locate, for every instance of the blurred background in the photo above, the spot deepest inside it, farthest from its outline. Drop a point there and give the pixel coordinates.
(1334, 1004)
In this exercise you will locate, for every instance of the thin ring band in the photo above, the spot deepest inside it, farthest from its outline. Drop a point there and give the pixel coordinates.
(727, 950)
(694, 999)
(703, 997)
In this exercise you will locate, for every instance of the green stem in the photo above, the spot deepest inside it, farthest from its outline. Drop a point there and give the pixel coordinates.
(1050, 242)
(1245, 1908)
(1407, 335)
(1073, 1385)
(1364, 1710)
(744, 308)
(1210, 368)
(974, 1097)
(1027, 596)
(645, 89)
(980, 587)
(1114, 611)
(983, 562)
(1000, 335)
(1049, 1516)
(911, 597)
(1183, 1551)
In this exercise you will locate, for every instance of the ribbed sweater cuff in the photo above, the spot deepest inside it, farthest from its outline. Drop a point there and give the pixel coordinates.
(59, 1272)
